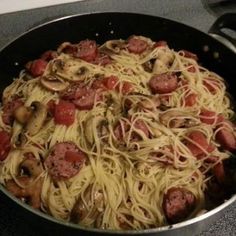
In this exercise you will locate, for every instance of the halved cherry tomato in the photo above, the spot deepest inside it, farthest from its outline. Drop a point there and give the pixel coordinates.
(110, 82)
(127, 87)
(36, 67)
(64, 113)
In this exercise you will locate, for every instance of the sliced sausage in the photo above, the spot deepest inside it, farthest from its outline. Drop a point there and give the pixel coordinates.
(163, 83)
(86, 99)
(208, 117)
(199, 144)
(87, 50)
(9, 109)
(140, 125)
(225, 136)
(102, 59)
(189, 54)
(136, 45)
(211, 84)
(5, 144)
(64, 160)
(178, 204)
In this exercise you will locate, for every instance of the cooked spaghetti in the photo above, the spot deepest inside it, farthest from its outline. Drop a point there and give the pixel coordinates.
(126, 135)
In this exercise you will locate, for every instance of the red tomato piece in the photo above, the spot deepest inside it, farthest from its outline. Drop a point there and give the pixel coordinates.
(110, 82)
(64, 113)
(127, 87)
(5, 144)
(36, 67)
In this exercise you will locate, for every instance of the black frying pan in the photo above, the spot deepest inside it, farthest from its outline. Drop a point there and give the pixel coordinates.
(104, 26)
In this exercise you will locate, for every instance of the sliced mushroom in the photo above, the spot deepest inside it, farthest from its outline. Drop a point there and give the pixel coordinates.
(97, 122)
(114, 45)
(177, 119)
(65, 47)
(57, 66)
(151, 103)
(31, 192)
(163, 62)
(32, 166)
(22, 114)
(27, 187)
(37, 118)
(81, 73)
(53, 83)
(20, 139)
(92, 209)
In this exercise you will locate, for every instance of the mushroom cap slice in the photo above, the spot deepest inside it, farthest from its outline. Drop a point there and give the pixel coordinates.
(37, 118)
(53, 83)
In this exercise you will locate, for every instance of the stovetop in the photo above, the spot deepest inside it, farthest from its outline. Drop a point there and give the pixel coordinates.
(196, 13)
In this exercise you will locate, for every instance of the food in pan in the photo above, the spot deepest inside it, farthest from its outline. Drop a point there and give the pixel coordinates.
(129, 134)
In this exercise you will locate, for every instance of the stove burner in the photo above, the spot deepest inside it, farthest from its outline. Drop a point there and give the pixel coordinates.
(220, 7)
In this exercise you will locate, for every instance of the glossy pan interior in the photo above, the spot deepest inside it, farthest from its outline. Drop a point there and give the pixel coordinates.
(104, 26)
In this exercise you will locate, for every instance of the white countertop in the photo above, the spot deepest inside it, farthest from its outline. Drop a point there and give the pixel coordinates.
(7, 6)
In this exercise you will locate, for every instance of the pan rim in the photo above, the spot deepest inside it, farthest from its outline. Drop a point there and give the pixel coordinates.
(50, 218)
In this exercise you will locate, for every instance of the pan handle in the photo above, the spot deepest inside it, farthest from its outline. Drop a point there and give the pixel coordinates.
(225, 22)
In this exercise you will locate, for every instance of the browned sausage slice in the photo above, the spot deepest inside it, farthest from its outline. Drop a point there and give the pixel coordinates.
(189, 54)
(136, 45)
(178, 203)
(87, 50)
(64, 160)
(226, 137)
(163, 83)
(9, 108)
